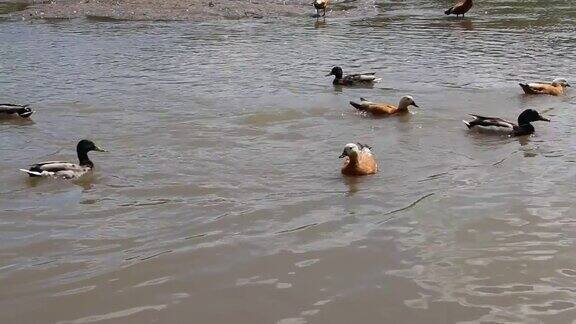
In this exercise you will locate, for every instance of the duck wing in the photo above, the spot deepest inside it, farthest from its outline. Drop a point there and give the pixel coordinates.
(489, 121)
(60, 169)
(361, 77)
(382, 109)
(364, 148)
(362, 106)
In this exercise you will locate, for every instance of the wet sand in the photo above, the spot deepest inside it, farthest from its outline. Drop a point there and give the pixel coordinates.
(174, 10)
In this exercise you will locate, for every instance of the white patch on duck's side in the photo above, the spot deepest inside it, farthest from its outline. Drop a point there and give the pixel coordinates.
(492, 129)
(63, 174)
(42, 174)
(369, 77)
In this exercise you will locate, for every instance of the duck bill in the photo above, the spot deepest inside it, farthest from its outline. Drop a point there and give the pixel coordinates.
(415, 105)
(544, 119)
(568, 85)
(99, 149)
(342, 155)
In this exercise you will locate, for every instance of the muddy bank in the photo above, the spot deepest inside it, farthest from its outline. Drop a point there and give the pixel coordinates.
(179, 9)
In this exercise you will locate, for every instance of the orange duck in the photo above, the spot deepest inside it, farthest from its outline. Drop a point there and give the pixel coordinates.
(359, 160)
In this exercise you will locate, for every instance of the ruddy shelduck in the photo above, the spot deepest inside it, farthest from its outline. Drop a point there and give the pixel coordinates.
(556, 88)
(460, 8)
(384, 109)
(359, 160)
(524, 126)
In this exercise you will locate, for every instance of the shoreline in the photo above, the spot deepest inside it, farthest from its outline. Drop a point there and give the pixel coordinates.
(176, 10)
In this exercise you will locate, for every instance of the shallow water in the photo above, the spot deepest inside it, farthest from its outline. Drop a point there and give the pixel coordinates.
(221, 200)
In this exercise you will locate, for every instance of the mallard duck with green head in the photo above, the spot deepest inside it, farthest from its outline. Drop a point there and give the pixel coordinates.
(499, 125)
(67, 170)
(352, 79)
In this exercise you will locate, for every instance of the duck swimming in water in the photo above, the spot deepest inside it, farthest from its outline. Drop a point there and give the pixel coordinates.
(556, 88)
(383, 109)
(67, 170)
(10, 109)
(359, 160)
(352, 79)
(320, 4)
(460, 8)
(524, 126)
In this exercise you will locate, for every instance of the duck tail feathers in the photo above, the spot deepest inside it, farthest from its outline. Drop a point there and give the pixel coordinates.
(357, 105)
(526, 88)
(377, 79)
(467, 124)
(32, 173)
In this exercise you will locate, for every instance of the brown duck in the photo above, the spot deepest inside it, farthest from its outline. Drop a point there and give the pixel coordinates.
(359, 160)
(556, 88)
(460, 8)
(383, 109)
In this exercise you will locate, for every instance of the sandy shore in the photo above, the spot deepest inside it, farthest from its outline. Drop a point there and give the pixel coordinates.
(176, 9)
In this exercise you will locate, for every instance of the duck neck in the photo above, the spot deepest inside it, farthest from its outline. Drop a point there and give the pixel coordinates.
(84, 159)
(524, 129)
(338, 76)
(403, 106)
(353, 160)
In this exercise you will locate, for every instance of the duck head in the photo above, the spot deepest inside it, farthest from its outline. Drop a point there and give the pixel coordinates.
(407, 101)
(530, 115)
(85, 146)
(337, 72)
(350, 150)
(560, 81)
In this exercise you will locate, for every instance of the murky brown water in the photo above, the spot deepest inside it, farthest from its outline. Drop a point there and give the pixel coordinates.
(221, 200)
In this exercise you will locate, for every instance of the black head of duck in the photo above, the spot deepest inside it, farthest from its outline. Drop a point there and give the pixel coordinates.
(525, 119)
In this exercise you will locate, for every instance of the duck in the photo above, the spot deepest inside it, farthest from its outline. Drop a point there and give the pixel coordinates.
(359, 160)
(66, 170)
(320, 4)
(460, 8)
(524, 126)
(556, 88)
(23, 111)
(384, 109)
(352, 79)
